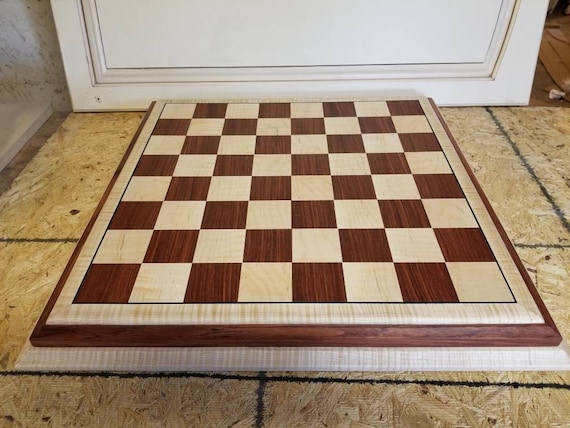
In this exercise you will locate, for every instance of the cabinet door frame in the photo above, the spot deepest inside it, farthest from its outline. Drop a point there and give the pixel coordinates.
(503, 78)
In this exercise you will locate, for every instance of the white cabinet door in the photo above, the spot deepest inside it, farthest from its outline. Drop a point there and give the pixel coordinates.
(285, 33)
(123, 54)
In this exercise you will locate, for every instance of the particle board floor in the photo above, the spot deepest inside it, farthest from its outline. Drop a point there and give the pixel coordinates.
(520, 157)
(327, 235)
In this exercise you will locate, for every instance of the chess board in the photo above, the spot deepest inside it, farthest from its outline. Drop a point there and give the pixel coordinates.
(310, 224)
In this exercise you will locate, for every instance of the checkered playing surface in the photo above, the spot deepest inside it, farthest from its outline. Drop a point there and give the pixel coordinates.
(293, 202)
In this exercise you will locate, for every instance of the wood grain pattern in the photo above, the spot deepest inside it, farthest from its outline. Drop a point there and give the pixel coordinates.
(364, 245)
(353, 187)
(205, 145)
(135, 215)
(222, 280)
(313, 214)
(417, 282)
(403, 213)
(318, 282)
(310, 165)
(299, 335)
(108, 283)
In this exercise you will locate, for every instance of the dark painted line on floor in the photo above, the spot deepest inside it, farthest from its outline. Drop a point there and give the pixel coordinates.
(38, 240)
(260, 408)
(546, 246)
(530, 170)
(289, 379)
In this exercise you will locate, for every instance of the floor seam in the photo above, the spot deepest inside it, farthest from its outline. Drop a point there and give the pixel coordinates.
(545, 246)
(260, 407)
(263, 379)
(38, 240)
(530, 170)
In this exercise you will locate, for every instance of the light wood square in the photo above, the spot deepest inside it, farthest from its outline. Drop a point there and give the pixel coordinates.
(311, 188)
(195, 166)
(178, 111)
(165, 145)
(409, 245)
(479, 282)
(268, 215)
(349, 164)
(307, 110)
(342, 125)
(371, 282)
(428, 163)
(180, 215)
(242, 111)
(229, 188)
(123, 246)
(309, 144)
(271, 165)
(237, 145)
(382, 143)
(358, 214)
(279, 126)
(395, 186)
(443, 213)
(266, 282)
(371, 108)
(316, 246)
(142, 188)
(411, 124)
(220, 246)
(206, 127)
(161, 283)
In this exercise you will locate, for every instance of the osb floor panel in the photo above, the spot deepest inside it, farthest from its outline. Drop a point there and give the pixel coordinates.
(518, 155)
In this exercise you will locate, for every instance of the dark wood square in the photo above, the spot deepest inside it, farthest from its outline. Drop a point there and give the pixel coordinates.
(274, 110)
(405, 107)
(201, 145)
(225, 215)
(376, 125)
(240, 127)
(150, 165)
(425, 283)
(318, 282)
(306, 126)
(434, 186)
(171, 127)
(213, 283)
(135, 215)
(171, 246)
(313, 214)
(233, 165)
(403, 213)
(310, 164)
(353, 187)
(270, 188)
(345, 143)
(107, 283)
(339, 109)
(464, 245)
(421, 142)
(364, 245)
(273, 245)
(388, 163)
(273, 145)
(210, 111)
(188, 189)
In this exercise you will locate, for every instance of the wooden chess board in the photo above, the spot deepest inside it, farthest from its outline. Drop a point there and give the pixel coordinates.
(335, 224)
